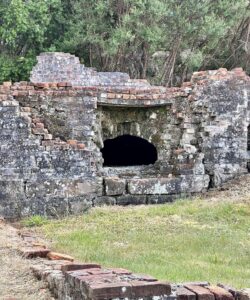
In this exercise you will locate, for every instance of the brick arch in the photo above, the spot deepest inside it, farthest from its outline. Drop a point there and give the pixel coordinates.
(128, 150)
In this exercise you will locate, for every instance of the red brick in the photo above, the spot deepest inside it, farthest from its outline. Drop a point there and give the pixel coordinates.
(39, 125)
(120, 271)
(228, 288)
(53, 85)
(199, 283)
(39, 131)
(125, 96)
(41, 85)
(201, 292)
(111, 96)
(185, 294)
(77, 273)
(3, 97)
(220, 293)
(132, 97)
(149, 289)
(187, 84)
(30, 87)
(96, 271)
(144, 277)
(237, 70)
(108, 291)
(62, 84)
(72, 142)
(7, 84)
(179, 151)
(59, 256)
(23, 93)
(34, 252)
(96, 279)
(80, 146)
(78, 266)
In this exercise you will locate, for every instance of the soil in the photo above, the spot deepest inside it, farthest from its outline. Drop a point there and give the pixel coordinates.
(16, 279)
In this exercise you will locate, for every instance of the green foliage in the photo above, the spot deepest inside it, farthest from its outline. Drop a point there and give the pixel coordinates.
(23, 35)
(124, 34)
(34, 221)
(15, 69)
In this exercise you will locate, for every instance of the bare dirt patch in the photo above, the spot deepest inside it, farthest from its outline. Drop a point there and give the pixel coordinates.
(16, 279)
(235, 190)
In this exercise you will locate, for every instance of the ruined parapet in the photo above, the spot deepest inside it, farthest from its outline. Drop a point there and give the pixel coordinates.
(54, 67)
(55, 129)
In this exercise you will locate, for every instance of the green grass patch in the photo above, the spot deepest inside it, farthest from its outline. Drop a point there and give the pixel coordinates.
(184, 241)
(34, 221)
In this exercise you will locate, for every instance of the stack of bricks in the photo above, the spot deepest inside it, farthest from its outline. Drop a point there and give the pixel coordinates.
(131, 94)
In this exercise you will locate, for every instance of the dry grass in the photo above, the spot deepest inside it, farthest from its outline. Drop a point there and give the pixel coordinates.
(236, 190)
(16, 280)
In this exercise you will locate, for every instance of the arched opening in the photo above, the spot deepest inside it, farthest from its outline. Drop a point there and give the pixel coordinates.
(248, 138)
(128, 150)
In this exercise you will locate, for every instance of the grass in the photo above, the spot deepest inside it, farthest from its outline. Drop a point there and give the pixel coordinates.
(184, 241)
(34, 221)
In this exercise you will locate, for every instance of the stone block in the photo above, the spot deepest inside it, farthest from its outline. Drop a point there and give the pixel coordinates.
(131, 200)
(104, 200)
(154, 186)
(194, 183)
(114, 186)
(160, 199)
(79, 205)
(86, 187)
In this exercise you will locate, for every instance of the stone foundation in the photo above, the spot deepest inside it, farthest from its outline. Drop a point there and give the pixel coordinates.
(54, 128)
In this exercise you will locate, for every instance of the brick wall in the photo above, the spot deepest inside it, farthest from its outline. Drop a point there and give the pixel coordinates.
(53, 128)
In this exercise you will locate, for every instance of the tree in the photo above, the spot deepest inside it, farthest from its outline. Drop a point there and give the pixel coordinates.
(24, 25)
(126, 35)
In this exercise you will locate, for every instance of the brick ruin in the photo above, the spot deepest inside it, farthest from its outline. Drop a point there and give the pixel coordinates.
(73, 138)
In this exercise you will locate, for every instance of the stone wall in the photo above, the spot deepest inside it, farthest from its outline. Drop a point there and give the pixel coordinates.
(54, 127)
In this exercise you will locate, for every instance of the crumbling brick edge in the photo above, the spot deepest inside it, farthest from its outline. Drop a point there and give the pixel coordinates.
(72, 280)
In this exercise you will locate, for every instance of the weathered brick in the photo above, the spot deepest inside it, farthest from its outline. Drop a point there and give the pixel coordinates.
(79, 266)
(220, 293)
(34, 252)
(59, 256)
(185, 294)
(201, 292)
(108, 291)
(150, 289)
